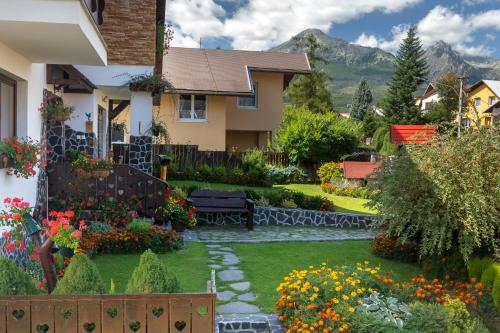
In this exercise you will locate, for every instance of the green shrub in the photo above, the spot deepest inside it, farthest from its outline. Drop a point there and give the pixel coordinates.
(299, 198)
(477, 266)
(262, 201)
(252, 194)
(385, 308)
(459, 319)
(388, 148)
(138, 226)
(426, 318)
(254, 163)
(99, 227)
(496, 292)
(204, 172)
(328, 172)
(378, 137)
(362, 322)
(13, 280)
(219, 172)
(489, 274)
(288, 175)
(81, 277)
(288, 203)
(151, 277)
(179, 193)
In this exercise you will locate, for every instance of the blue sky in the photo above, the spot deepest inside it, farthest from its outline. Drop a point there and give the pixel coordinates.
(472, 27)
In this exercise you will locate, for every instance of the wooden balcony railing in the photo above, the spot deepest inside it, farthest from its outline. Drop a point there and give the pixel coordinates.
(96, 9)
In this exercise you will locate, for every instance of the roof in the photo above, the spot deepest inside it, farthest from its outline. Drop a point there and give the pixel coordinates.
(411, 133)
(226, 72)
(492, 84)
(492, 108)
(359, 170)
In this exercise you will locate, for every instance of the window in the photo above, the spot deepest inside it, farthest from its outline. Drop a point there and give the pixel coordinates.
(248, 102)
(193, 108)
(477, 102)
(491, 100)
(466, 122)
(7, 107)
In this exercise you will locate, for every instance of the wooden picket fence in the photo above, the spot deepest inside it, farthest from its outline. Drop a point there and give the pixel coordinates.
(189, 156)
(149, 313)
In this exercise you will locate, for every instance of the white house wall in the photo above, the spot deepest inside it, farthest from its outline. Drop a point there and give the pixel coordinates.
(30, 84)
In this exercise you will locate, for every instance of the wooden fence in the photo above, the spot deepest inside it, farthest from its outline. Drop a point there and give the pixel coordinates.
(123, 182)
(189, 155)
(155, 313)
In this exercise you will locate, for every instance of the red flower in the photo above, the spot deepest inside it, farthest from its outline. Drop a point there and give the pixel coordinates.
(76, 234)
(10, 247)
(5, 234)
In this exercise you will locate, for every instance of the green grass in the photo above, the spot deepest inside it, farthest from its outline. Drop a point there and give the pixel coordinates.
(189, 266)
(266, 264)
(342, 204)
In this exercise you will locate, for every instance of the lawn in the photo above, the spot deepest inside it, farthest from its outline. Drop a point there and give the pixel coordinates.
(342, 204)
(265, 264)
(189, 266)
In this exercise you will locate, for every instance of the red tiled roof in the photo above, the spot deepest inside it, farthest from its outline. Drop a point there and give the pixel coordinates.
(358, 170)
(411, 133)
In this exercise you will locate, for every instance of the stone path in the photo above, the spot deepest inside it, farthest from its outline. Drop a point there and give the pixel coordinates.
(261, 234)
(233, 292)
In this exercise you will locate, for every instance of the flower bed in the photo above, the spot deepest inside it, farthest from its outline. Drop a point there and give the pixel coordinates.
(119, 242)
(347, 191)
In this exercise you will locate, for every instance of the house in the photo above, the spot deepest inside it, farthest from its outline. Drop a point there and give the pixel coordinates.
(225, 98)
(429, 97)
(82, 53)
(483, 95)
(359, 171)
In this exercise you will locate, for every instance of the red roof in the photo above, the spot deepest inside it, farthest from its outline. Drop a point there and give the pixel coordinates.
(358, 170)
(411, 133)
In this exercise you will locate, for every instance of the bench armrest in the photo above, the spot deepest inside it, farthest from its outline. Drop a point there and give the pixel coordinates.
(249, 202)
(189, 201)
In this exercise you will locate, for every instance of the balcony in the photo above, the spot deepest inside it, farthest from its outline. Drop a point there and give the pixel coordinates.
(54, 31)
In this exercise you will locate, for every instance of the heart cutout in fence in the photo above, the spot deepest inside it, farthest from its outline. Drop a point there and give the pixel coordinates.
(135, 326)
(112, 312)
(66, 313)
(18, 314)
(180, 325)
(89, 327)
(158, 312)
(42, 328)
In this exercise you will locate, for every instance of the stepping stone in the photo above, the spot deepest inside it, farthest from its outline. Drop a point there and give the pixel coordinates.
(230, 275)
(213, 246)
(225, 295)
(240, 286)
(217, 253)
(226, 249)
(211, 261)
(230, 260)
(215, 266)
(238, 307)
(247, 297)
(233, 267)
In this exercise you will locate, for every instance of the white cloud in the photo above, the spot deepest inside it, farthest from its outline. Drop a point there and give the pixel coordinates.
(478, 2)
(441, 23)
(261, 24)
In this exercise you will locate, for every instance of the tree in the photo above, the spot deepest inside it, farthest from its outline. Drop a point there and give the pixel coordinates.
(314, 138)
(371, 122)
(445, 109)
(311, 91)
(410, 72)
(81, 277)
(444, 195)
(361, 101)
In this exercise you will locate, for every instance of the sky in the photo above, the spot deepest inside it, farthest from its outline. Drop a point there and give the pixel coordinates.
(472, 27)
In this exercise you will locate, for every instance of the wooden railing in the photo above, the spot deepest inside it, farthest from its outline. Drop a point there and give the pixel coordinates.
(123, 182)
(189, 155)
(96, 9)
(149, 313)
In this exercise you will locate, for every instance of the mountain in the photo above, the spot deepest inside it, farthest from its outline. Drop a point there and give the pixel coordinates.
(348, 63)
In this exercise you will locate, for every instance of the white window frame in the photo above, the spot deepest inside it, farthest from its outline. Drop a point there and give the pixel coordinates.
(11, 127)
(477, 102)
(491, 100)
(255, 94)
(192, 120)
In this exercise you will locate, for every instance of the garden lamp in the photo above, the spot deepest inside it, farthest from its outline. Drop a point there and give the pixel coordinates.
(164, 162)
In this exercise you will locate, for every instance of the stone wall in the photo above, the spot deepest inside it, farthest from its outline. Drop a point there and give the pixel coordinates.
(284, 216)
(129, 29)
(140, 153)
(61, 137)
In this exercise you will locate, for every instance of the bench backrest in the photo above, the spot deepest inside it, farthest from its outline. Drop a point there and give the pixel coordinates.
(222, 199)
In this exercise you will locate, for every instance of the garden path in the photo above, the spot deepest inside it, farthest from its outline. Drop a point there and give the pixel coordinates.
(264, 234)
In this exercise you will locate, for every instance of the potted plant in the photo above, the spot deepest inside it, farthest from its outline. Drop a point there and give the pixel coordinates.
(156, 84)
(178, 213)
(159, 131)
(86, 166)
(54, 110)
(61, 231)
(22, 157)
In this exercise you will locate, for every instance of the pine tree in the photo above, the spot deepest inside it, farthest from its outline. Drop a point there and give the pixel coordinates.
(311, 91)
(410, 72)
(361, 101)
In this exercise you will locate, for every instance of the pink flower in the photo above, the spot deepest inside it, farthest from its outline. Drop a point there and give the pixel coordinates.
(5, 234)
(76, 234)
(22, 248)
(10, 247)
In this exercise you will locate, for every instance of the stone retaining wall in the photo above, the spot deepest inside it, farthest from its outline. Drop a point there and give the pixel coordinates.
(285, 216)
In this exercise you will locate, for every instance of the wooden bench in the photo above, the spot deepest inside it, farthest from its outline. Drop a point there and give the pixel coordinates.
(208, 201)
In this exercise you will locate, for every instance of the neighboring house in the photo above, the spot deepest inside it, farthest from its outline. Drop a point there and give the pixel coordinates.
(358, 171)
(345, 114)
(80, 51)
(226, 98)
(494, 112)
(483, 95)
(429, 97)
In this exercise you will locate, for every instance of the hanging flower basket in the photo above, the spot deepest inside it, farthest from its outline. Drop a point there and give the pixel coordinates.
(100, 173)
(56, 111)
(59, 117)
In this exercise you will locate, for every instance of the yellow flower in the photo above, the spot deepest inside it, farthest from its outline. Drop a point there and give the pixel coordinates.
(351, 309)
(353, 294)
(345, 297)
(339, 288)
